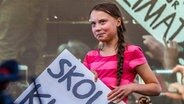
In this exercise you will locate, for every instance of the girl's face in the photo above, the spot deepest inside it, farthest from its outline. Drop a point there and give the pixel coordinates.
(104, 26)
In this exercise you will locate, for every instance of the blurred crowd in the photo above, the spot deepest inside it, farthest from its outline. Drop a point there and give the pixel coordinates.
(168, 55)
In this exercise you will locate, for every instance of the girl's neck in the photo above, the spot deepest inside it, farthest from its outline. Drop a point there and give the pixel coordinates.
(108, 49)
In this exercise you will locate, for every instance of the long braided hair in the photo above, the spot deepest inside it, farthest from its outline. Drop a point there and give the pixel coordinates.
(114, 11)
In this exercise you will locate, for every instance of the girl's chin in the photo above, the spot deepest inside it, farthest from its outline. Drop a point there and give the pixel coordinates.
(100, 39)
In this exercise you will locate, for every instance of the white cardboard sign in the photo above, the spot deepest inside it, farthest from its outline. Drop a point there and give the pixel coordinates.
(65, 81)
(161, 18)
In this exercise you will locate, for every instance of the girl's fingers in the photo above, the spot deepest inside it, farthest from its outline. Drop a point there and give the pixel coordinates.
(116, 95)
(96, 75)
(120, 97)
(114, 90)
(112, 95)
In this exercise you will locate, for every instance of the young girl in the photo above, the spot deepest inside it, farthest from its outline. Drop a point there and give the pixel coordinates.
(117, 63)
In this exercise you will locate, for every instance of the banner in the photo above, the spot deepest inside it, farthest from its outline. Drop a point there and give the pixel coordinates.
(164, 19)
(65, 81)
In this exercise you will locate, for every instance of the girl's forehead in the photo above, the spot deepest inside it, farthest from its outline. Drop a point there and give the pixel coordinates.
(98, 12)
(98, 15)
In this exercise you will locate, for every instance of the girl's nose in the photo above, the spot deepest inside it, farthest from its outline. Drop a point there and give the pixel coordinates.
(98, 27)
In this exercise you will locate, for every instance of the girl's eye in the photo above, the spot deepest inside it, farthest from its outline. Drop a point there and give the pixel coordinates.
(102, 22)
(92, 24)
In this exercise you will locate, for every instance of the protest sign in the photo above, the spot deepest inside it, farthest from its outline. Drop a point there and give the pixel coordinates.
(65, 81)
(161, 18)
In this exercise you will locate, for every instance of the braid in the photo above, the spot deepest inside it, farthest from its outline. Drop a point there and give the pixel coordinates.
(120, 55)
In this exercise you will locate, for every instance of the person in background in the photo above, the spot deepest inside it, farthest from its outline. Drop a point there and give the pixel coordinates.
(117, 63)
(9, 71)
(177, 86)
(166, 54)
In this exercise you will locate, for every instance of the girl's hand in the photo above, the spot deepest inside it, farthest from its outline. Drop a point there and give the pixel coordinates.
(120, 92)
(96, 75)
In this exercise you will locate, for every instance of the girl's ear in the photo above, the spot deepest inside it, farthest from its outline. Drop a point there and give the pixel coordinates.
(118, 22)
